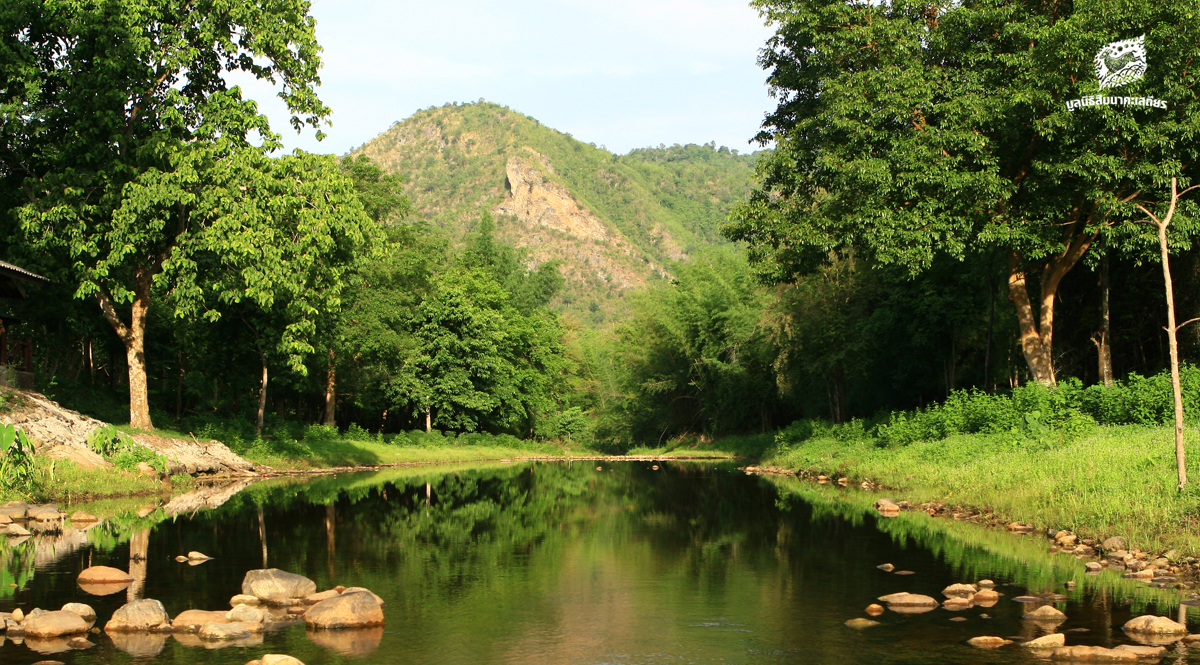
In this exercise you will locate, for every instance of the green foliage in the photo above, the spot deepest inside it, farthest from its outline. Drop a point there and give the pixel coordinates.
(125, 453)
(17, 470)
(1026, 415)
(696, 357)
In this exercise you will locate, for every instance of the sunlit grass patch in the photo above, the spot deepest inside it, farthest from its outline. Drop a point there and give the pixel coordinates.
(1117, 480)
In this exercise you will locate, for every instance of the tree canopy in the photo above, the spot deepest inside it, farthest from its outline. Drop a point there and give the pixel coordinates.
(906, 130)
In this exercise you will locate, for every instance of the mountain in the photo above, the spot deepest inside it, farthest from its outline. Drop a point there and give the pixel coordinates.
(616, 222)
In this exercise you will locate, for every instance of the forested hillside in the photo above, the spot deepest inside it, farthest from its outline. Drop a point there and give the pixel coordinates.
(615, 222)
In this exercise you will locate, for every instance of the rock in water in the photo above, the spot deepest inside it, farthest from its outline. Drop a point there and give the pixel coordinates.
(216, 632)
(243, 599)
(909, 600)
(276, 586)
(191, 621)
(1143, 652)
(887, 508)
(140, 615)
(874, 609)
(1052, 641)
(960, 591)
(955, 604)
(1113, 544)
(247, 613)
(103, 575)
(988, 642)
(275, 659)
(1045, 613)
(859, 624)
(55, 624)
(1083, 654)
(1151, 625)
(349, 610)
(318, 597)
(986, 596)
(198, 556)
(358, 589)
(82, 610)
(886, 567)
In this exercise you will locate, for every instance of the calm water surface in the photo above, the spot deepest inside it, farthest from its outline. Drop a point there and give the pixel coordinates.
(557, 563)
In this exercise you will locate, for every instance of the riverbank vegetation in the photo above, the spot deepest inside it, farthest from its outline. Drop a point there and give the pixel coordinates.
(311, 311)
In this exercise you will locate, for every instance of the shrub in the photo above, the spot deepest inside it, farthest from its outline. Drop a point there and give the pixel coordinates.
(16, 459)
(123, 451)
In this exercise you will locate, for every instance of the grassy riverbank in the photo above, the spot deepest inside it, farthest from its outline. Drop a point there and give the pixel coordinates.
(1113, 480)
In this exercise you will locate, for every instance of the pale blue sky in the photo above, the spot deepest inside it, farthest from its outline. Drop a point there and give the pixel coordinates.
(620, 73)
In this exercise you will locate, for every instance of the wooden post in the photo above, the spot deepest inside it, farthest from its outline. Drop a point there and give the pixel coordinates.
(27, 356)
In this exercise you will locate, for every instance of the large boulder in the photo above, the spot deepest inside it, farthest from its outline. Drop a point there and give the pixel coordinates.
(1152, 625)
(349, 610)
(55, 624)
(140, 615)
(191, 621)
(277, 586)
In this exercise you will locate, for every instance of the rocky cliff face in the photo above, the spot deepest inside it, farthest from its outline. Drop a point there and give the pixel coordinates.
(540, 204)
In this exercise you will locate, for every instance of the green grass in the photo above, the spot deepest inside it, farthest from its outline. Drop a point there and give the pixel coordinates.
(977, 553)
(1115, 480)
(64, 481)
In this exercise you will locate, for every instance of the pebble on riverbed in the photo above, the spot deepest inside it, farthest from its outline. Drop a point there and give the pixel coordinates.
(860, 623)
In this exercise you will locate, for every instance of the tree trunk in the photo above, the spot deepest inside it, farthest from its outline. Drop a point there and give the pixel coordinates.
(1176, 389)
(987, 354)
(1037, 324)
(1172, 329)
(133, 336)
(262, 399)
(428, 419)
(179, 390)
(1103, 339)
(331, 390)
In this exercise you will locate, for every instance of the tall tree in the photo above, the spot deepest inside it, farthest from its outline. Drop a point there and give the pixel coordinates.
(909, 129)
(114, 118)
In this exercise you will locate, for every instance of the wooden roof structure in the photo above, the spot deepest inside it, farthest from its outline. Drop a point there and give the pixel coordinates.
(12, 279)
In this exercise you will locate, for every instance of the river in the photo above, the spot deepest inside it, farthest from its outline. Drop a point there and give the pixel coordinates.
(590, 563)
